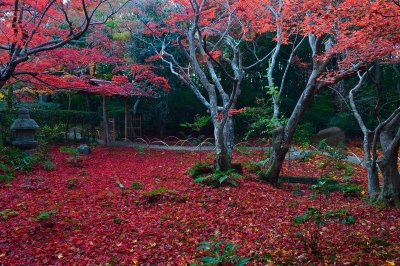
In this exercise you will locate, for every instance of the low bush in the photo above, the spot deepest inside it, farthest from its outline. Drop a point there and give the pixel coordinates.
(219, 252)
(219, 178)
(53, 124)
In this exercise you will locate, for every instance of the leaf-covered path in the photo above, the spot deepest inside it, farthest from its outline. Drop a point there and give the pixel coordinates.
(82, 215)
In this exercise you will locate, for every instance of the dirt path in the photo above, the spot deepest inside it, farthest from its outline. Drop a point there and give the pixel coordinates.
(293, 154)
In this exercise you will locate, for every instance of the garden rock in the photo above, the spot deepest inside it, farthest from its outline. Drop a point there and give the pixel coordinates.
(74, 133)
(333, 136)
(84, 149)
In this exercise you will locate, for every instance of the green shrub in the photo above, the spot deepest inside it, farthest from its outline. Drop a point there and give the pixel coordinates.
(198, 124)
(303, 134)
(351, 190)
(6, 174)
(54, 133)
(52, 123)
(23, 163)
(340, 215)
(334, 152)
(16, 160)
(256, 121)
(48, 165)
(72, 182)
(253, 167)
(7, 213)
(346, 122)
(75, 157)
(45, 215)
(6, 120)
(199, 169)
(136, 185)
(155, 194)
(155, 191)
(54, 117)
(219, 178)
(220, 252)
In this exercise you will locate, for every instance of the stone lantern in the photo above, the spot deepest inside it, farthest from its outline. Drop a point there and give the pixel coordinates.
(24, 129)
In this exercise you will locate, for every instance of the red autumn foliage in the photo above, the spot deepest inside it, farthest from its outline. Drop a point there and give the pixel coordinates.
(31, 30)
(97, 222)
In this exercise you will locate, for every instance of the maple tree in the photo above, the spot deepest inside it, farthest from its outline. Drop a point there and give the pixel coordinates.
(73, 68)
(387, 134)
(30, 29)
(343, 37)
(212, 38)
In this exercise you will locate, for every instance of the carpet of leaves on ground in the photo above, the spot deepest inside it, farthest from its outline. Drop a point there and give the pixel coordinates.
(124, 206)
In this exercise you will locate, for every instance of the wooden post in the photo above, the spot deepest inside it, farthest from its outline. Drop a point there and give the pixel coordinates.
(126, 118)
(105, 123)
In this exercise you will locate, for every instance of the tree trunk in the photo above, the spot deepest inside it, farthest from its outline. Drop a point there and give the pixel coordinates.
(372, 170)
(105, 123)
(283, 136)
(136, 105)
(69, 101)
(43, 98)
(277, 156)
(373, 180)
(2, 83)
(9, 96)
(126, 117)
(390, 178)
(224, 141)
(388, 166)
(90, 104)
(339, 92)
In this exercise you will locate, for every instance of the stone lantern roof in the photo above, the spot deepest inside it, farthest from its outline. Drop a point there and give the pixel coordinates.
(24, 129)
(24, 121)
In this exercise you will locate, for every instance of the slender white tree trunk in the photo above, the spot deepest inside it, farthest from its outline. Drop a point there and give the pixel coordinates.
(224, 142)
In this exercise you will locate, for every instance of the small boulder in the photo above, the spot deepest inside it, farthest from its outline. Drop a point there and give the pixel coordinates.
(74, 133)
(84, 149)
(333, 136)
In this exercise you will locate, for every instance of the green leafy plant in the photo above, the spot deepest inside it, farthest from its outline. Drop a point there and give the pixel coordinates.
(6, 174)
(198, 124)
(311, 221)
(253, 167)
(45, 215)
(155, 194)
(7, 213)
(335, 153)
(155, 191)
(42, 153)
(17, 160)
(351, 190)
(199, 169)
(23, 163)
(219, 178)
(137, 185)
(53, 133)
(311, 237)
(48, 165)
(340, 215)
(303, 134)
(220, 252)
(139, 149)
(72, 182)
(75, 157)
(256, 121)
